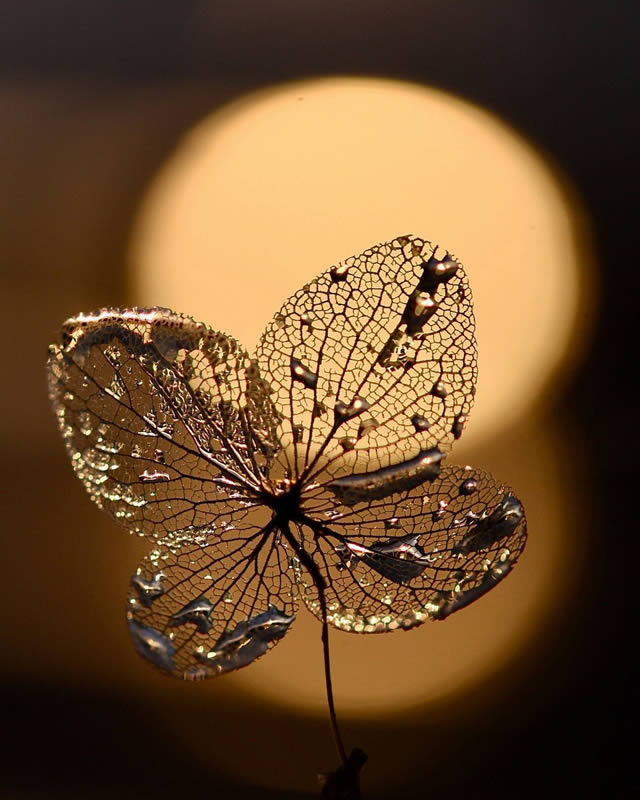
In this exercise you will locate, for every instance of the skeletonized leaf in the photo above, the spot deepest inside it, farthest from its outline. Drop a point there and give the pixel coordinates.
(168, 424)
(374, 361)
(202, 605)
(417, 555)
(359, 386)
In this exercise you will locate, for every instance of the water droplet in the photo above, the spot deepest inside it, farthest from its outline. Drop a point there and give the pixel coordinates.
(400, 559)
(339, 273)
(228, 598)
(152, 645)
(112, 354)
(117, 387)
(247, 641)
(306, 321)
(279, 320)
(367, 426)
(420, 423)
(445, 603)
(149, 476)
(458, 425)
(158, 456)
(488, 530)
(439, 390)
(166, 429)
(345, 412)
(151, 418)
(418, 311)
(84, 423)
(298, 433)
(197, 612)
(348, 443)
(110, 447)
(366, 486)
(132, 498)
(394, 351)
(96, 459)
(440, 511)
(392, 524)
(68, 397)
(148, 590)
(436, 271)
(469, 486)
(300, 373)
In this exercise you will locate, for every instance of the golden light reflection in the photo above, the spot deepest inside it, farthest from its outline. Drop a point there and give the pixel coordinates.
(278, 186)
(412, 675)
(405, 669)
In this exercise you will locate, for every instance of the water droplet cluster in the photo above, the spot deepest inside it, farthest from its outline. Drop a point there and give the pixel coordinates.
(327, 445)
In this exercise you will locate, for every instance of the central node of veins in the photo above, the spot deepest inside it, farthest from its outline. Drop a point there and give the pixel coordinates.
(285, 501)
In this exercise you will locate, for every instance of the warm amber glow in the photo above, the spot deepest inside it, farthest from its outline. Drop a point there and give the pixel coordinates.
(387, 676)
(279, 186)
(391, 673)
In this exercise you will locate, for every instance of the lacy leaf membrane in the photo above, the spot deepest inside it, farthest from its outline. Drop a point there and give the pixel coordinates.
(329, 444)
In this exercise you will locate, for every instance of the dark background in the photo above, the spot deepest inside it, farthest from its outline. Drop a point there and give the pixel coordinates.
(92, 98)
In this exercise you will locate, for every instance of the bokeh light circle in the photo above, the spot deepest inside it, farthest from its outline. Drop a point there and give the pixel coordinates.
(279, 185)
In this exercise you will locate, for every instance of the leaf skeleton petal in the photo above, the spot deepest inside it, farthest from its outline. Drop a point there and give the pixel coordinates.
(392, 342)
(216, 605)
(334, 430)
(418, 554)
(168, 424)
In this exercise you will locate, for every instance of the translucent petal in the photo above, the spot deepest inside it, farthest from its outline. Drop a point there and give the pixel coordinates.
(200, 606)
(360, 385)
(168, 424)
(416, 555)
(374, 361)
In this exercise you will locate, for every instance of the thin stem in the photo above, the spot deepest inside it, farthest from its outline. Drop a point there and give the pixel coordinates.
(327, 677)
(320, 584)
